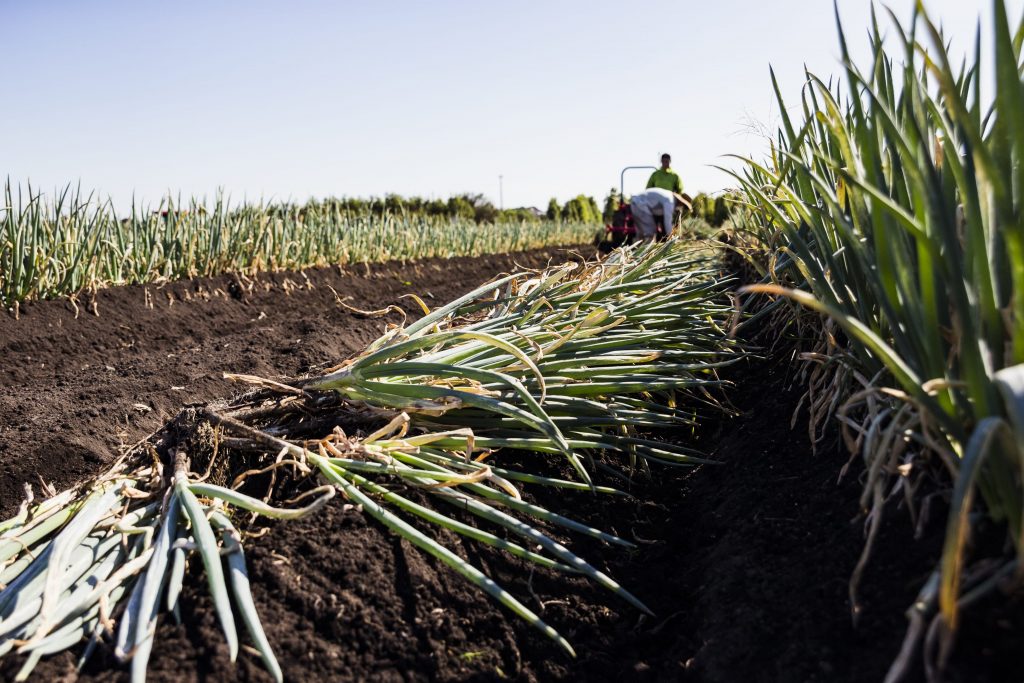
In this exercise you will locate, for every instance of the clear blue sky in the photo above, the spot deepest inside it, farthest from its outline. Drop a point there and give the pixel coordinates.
(316, 98)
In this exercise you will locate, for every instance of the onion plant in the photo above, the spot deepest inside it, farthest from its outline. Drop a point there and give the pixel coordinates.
(896, 211)
(68, 564)
(565, 368)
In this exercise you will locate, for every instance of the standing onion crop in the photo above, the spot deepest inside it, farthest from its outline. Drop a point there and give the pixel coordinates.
(71, 242)
(897, 211)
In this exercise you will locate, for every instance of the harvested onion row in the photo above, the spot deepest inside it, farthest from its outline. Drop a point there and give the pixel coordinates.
(564, 366)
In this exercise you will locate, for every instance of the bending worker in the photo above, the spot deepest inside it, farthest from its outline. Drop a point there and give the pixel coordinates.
(665, 177)
(651, 204)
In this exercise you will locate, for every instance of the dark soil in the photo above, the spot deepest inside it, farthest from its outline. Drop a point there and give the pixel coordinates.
(745, 563)
(74, 385)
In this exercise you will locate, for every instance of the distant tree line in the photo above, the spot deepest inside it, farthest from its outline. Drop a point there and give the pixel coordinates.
(579, 209)
(715, 210)
(462, 206)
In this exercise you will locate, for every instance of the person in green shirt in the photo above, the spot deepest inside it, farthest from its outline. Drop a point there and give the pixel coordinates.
(665, 178)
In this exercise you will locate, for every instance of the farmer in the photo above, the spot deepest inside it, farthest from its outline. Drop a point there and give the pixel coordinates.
(665, 177)
(651, 204)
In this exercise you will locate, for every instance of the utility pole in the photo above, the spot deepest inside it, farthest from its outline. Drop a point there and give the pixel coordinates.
(501, 193)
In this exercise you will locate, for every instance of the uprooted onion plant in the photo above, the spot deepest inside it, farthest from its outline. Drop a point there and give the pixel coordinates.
(569, 366)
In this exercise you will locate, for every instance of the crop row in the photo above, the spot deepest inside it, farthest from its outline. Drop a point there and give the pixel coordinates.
(60, 245)
(895, 208)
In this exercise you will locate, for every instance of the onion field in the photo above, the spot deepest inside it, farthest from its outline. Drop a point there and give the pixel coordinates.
(794, 451)
(68, 242)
